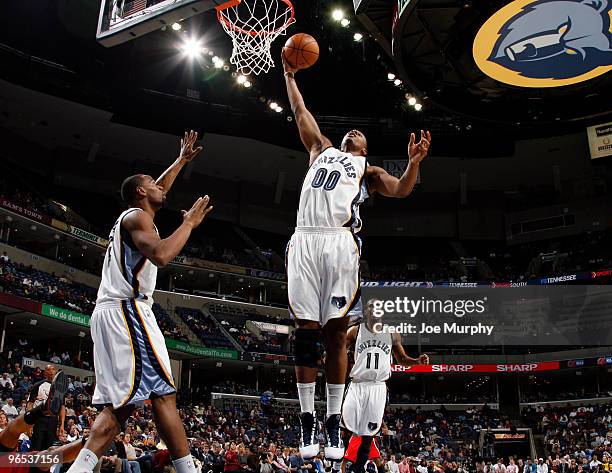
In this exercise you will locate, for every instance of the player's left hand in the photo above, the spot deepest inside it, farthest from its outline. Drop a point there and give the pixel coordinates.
(187, 150)
(418, 151)
(424, 359)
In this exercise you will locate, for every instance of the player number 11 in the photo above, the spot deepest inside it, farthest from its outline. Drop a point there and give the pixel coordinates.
(369, 360)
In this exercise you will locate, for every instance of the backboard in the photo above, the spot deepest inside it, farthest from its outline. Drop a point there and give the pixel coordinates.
(124, 20)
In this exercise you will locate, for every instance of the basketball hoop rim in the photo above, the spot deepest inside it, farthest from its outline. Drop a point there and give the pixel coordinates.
(229, 24)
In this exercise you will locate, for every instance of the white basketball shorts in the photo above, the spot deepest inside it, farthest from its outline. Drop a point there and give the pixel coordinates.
(322, 273)
(130, 356)
(364, 407)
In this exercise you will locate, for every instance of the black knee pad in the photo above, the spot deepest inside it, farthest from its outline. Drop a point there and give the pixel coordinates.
(308, 347)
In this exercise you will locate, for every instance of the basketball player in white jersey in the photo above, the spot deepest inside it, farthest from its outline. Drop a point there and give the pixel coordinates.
(130, 356)
(323, 259)
(366, 396)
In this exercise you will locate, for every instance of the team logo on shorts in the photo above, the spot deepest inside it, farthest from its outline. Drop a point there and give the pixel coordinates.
(546, 43)
(372, 425)
(338, 302)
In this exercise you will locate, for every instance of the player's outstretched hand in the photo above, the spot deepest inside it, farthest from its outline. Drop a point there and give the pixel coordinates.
(187, 150)
(418, 151)
(424, 359)
(286, 66)
(197, 213)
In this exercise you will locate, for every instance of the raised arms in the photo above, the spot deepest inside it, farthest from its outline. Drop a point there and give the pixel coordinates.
(310, 134)
(390, 186)
(161, 252)
(187, 153)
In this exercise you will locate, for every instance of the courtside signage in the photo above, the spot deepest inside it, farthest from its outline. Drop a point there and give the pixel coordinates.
(201, 351)
(65, 315)
(479, 368)
(546, 43)
(84, 320)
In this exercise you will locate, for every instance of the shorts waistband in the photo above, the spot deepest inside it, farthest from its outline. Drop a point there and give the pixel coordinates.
(116, 304)
(330, 230)
(371, 383)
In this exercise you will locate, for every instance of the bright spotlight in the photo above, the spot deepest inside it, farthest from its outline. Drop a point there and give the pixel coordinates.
(247, 84)
(345, 22)
(273, 105)
(357, 37)
(418, 107)
(412, 101)
(337, 15)
(391, 76)
(176, 26)
(192, 48)
(218, 62)
(241, 79)
(397, 82)
(279, 109)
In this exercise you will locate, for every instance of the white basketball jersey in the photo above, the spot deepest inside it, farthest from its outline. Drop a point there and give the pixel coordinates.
(332, 191)
(126, 273)
(373, 354)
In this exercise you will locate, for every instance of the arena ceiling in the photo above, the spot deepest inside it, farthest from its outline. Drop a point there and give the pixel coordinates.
(146, 83)
(432, 46)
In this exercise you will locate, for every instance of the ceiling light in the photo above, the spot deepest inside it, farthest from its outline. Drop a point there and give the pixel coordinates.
(412, 101)
(247, 84)
(391, 76)
(345, 22)
(273, 105)
(338, 15)
(241, 79)
(397, 82)
(176, 26)
(357, 37)
(418, 107)
(192, 48)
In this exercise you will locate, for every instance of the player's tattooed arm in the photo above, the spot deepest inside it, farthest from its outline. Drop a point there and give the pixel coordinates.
(402, 358)
(186, 155)
(162, 251)
(381, 181)
(310, 134)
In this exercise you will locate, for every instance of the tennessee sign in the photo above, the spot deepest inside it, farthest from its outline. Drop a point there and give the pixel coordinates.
(546, 43)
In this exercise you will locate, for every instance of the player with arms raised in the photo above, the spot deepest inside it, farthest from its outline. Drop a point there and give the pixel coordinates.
(323, 258)
(366, 396)
(130, 356)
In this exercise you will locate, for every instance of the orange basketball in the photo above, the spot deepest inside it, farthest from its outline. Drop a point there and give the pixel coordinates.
(301, 51)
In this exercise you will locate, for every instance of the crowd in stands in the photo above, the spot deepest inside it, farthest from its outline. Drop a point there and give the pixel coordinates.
(204, 328)
(250, 437)
(571, 430)
(235, 319)
(31, 283)
(59, 352)
(167, 326)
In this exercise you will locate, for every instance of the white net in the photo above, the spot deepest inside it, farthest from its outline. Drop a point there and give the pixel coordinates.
(253, 25)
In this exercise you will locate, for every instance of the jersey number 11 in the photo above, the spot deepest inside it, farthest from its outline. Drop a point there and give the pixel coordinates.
(369, 360)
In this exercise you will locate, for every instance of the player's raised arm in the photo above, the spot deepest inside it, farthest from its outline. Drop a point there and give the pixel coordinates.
(311, 136)
(186, 154)
(390, 186)
(402, 358)
(142, 231)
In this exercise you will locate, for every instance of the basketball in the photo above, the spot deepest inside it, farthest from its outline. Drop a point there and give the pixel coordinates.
(301, 51)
